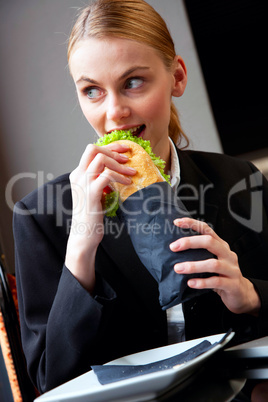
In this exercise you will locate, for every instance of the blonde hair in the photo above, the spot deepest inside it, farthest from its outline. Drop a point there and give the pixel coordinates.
(134, 20)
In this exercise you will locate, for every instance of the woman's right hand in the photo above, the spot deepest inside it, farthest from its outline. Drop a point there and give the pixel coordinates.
(98, 167)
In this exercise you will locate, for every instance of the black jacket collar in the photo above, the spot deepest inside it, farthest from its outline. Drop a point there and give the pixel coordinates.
(196, 191)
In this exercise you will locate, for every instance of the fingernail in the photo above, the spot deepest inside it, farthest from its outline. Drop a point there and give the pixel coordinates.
(191, 282)
(123, 156)
(178, 268)
(174, 247)
(178, 221)
(130, 169)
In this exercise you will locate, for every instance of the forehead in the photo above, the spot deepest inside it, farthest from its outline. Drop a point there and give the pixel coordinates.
(95, 55)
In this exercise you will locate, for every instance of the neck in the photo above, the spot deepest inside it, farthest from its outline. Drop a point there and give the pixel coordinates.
(162, 150)
(168, 162)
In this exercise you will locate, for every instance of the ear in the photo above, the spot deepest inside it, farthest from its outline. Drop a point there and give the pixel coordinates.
(180, 76)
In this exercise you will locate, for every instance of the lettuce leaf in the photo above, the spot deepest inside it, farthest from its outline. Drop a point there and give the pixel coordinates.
(112, 199)
(111, 203)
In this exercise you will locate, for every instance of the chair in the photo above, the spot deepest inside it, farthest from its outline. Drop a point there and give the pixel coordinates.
(15, 385)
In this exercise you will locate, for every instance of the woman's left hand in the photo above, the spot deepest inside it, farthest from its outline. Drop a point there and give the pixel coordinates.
(237, 292)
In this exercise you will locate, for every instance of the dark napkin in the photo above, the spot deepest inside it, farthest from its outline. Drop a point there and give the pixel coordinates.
(112, 373)
(148, 215)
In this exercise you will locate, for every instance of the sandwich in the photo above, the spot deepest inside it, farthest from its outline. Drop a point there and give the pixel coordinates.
(149, 167)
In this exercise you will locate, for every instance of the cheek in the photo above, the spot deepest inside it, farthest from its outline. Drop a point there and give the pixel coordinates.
(158, 108)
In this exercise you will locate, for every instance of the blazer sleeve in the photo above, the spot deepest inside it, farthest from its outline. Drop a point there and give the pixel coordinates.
(260, 185)
(254, 264)
(262, 285)
(58, 317)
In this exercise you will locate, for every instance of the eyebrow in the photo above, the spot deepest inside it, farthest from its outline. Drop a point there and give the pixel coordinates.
(124, 75)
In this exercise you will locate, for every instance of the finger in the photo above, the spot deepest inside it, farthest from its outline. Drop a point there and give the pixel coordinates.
(216, 268)
(194, 242)
(108, 176)
(196, 225)
(211, 265)
(218, 248)
(92, 151)
(222, 268)
(223, 274)
(102, 162)
(117, 147)
(217, 283)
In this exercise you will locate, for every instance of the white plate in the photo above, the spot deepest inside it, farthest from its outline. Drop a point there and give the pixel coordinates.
(86, 388)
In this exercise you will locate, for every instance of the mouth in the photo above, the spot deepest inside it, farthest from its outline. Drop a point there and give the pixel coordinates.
(137, 131)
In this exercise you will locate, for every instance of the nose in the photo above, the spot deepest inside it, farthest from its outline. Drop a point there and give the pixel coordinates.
(117, 108)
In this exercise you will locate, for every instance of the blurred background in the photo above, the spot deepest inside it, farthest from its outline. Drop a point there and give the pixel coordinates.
(42, 130)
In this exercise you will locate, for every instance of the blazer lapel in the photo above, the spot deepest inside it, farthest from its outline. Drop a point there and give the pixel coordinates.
(197, 191)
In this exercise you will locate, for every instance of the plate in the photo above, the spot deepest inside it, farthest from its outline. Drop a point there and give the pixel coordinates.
(86, 387)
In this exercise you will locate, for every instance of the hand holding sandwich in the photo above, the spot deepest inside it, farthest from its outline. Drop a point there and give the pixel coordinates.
(98, 167)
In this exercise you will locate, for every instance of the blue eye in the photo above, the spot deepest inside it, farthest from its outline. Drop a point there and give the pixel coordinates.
(133, 83)
(93, 93)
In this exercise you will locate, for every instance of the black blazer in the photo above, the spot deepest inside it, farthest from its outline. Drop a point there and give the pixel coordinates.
(65, 330)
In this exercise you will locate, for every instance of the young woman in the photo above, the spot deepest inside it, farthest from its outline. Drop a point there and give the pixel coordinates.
(84, 296)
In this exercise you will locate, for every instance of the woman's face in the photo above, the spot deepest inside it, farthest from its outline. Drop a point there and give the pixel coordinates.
(124, 85)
